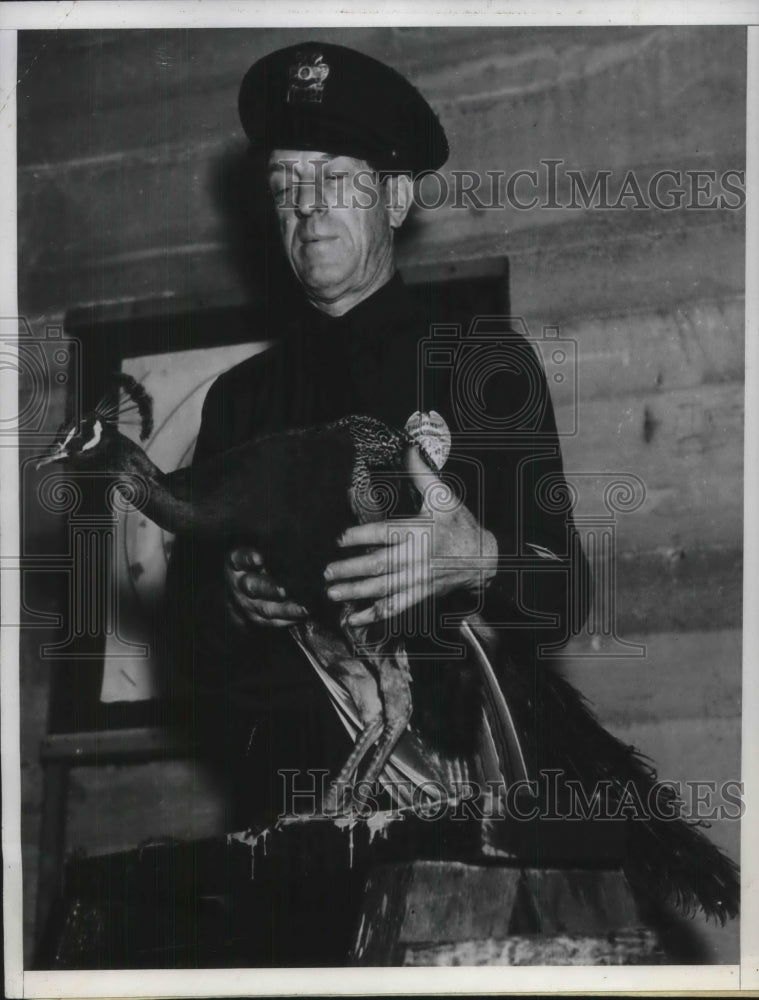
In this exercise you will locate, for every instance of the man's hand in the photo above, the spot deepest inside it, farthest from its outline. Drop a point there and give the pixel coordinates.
(398, 573)
(254, 597)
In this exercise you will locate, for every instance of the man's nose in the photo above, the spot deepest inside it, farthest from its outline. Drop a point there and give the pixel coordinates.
(309, 198)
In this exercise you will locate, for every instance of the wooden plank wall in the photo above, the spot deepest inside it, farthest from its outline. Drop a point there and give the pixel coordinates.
(127, 142)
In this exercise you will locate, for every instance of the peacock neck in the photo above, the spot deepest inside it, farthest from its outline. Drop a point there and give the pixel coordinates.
(167, 510)
(151, 491)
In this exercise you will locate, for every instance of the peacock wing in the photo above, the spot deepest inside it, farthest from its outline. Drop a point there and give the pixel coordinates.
(284, 494)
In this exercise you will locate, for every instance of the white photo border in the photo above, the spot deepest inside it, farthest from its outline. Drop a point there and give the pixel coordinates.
(219, 13)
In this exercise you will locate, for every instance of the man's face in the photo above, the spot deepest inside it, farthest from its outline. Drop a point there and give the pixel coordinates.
(335, 222)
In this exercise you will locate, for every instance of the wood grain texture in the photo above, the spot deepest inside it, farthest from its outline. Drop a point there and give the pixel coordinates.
(462, 71)
(637, 946)
(685, 444)
(644, 350)
(443, 913)
(660, 684)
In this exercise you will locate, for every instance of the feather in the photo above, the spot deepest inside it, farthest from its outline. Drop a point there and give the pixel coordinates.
(666, 859)
(111, 406)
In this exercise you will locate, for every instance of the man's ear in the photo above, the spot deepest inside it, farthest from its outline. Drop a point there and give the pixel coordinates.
(399, 189)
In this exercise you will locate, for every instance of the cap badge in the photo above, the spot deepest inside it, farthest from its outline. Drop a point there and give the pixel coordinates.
(307, 75)
(431, 433)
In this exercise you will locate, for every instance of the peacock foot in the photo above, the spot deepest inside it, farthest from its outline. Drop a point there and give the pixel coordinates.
(339, 793)
(394, 684)
(391, 733)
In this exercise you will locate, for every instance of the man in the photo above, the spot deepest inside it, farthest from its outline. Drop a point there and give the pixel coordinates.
(343, 138)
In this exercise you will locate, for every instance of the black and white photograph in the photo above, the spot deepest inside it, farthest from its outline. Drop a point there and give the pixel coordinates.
(373, 462)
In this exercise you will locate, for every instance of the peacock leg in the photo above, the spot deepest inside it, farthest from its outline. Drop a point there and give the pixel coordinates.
(395, 688)
(334, 800)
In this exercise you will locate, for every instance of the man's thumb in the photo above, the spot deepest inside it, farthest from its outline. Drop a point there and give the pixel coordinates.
(422, 475)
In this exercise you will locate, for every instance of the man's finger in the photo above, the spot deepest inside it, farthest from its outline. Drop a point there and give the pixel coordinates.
(255, 619)
(280, 610)
(388, 607)
(256, 585)
(245, 558)
(266, 609)
(373, 586)
(289, 609)
(402, 574)
(373, 533)
(370, 564)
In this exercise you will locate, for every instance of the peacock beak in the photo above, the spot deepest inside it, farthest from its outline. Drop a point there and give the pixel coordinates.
(57, 456)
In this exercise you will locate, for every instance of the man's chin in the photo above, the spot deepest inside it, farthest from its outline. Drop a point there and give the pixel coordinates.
(323, 287)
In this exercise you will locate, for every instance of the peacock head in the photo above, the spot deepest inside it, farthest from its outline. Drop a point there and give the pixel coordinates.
(79, 440)
(87, 439)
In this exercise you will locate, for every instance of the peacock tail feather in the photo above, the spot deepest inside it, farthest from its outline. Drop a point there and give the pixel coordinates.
(666, 859)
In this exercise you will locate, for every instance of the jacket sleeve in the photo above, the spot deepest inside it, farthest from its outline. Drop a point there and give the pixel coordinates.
(204, 643)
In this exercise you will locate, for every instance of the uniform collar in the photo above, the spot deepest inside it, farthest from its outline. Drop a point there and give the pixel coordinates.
(372, 316)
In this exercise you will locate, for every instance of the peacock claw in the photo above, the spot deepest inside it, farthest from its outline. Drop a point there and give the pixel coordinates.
(337, 800)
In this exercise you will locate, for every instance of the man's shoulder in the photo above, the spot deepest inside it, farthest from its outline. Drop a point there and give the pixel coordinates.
(267, 357)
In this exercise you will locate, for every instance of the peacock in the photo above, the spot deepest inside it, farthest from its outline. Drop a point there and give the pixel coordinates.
(504, 719)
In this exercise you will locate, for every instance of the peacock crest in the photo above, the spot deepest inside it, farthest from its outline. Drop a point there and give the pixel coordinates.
(124, 398)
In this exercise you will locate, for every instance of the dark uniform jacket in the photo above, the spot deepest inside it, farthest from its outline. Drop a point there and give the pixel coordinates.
(251, 693)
